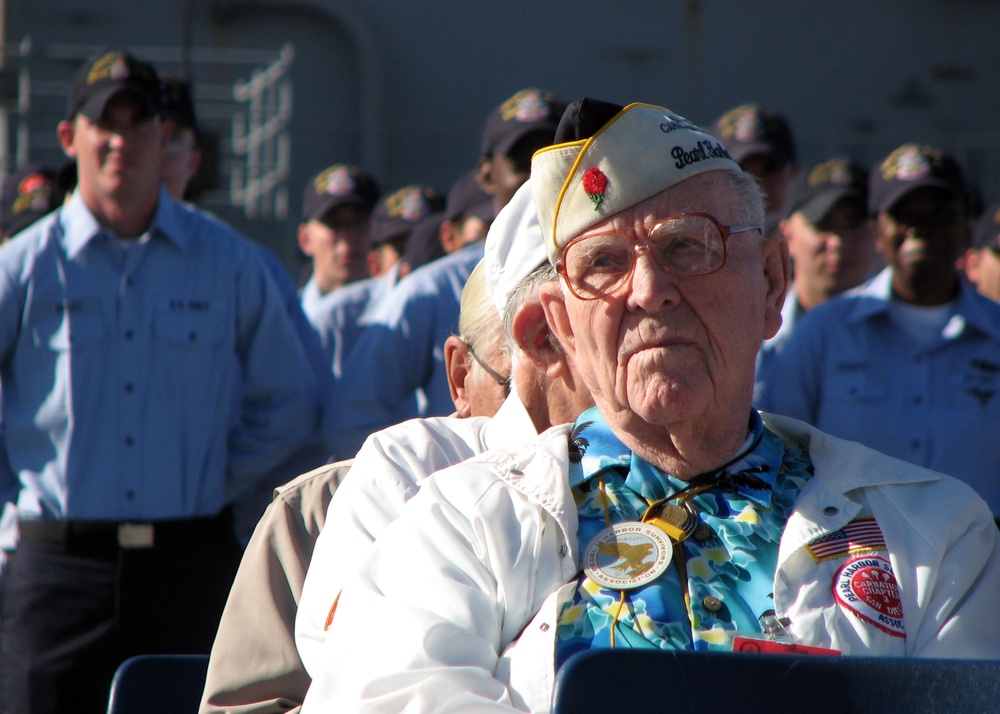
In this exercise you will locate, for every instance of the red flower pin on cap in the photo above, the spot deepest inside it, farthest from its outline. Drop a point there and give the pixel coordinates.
(594, 183)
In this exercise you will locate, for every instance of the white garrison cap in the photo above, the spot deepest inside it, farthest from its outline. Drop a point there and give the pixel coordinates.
(641, 151)
(514, 246)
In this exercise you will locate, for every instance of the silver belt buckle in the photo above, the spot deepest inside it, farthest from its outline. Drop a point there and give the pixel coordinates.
(132, 536)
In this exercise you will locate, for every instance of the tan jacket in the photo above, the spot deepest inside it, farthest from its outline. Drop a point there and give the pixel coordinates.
(254, 665)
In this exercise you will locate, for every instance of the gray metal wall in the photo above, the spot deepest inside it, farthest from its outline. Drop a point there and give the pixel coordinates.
(403, 87)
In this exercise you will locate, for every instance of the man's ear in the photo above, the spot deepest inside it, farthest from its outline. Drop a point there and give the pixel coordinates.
(554, 304)
(456, 364)
(449, 235)
(969, 263)
(778, 275)
(484, 175)
(373, 263)
(66, 131)
(304, 243)
(532, 334)
(194, 164)
(168, 129)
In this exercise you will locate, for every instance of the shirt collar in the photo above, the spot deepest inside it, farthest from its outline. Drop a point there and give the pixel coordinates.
(971, 309)
(80, 226)
(751, 472)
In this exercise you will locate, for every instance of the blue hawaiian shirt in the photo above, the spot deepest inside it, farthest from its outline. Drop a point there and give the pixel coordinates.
(729, 563)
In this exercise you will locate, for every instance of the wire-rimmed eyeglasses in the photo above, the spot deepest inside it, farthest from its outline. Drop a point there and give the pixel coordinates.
(686, 245)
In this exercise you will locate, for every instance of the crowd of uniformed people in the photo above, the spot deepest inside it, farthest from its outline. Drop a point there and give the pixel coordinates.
(616, 334)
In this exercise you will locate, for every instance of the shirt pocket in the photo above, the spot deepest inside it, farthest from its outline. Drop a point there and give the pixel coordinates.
(77, 325)
(973, 387)
(857, 383)
(189, 352)
(189, 329)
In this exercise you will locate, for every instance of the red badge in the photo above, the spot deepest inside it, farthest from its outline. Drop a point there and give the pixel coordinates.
(753, 644)
(866, 586)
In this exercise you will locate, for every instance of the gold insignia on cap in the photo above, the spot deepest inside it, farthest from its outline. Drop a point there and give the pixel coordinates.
(742, 123)
(910, 162)
(335, 181)
(408, 203)
(33, 192)
(527, 105)
(111, 65)
(836, 171)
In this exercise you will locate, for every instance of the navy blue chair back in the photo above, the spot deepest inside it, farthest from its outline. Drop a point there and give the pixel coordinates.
(158, 684)
(647, 681)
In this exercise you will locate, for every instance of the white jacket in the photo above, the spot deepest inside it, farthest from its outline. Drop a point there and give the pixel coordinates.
(487, 552)
(387, 472)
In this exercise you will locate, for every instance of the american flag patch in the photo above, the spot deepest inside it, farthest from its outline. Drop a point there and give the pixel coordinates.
(860, 535)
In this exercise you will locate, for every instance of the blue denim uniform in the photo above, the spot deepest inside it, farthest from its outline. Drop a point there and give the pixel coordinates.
(396, 370)
(159, 378)
(851, 369)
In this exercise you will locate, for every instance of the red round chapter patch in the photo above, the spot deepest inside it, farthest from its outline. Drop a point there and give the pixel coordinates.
(866, 586)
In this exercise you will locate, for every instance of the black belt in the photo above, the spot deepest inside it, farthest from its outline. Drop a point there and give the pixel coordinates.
(125, 535)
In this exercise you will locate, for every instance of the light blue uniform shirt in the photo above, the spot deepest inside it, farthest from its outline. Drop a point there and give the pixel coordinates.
(339, 316)
(396, 370)
(852, 371)
(144, 380)
(791, 311)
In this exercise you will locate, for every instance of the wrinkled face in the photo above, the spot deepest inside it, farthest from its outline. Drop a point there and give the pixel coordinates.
(118, 155)
(666, 349)
(338, 245)
(922, 236)
(484, 391)
(834, 255)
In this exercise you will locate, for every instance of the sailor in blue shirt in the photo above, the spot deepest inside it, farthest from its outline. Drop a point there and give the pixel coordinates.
(121, 361)
(396, 370)
(830, 244)
(151, 378)
(338, 315)
(908, 363)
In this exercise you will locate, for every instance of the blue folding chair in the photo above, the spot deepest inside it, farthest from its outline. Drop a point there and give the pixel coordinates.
(647, 681)
(158, 684)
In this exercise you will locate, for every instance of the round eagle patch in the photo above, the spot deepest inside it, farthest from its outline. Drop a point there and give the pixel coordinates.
(627, 555)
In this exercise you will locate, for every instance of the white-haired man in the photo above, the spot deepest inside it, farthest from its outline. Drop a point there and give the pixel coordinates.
(673, 515)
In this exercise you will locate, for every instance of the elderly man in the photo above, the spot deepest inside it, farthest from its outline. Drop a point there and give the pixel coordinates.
(672, 515)
(393, 462)
(255, 666)
(256, 669)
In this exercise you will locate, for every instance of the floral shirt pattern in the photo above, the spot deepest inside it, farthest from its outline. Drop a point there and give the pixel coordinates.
(729, 567)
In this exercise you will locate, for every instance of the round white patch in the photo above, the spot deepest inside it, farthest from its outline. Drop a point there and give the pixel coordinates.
(627, 555)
